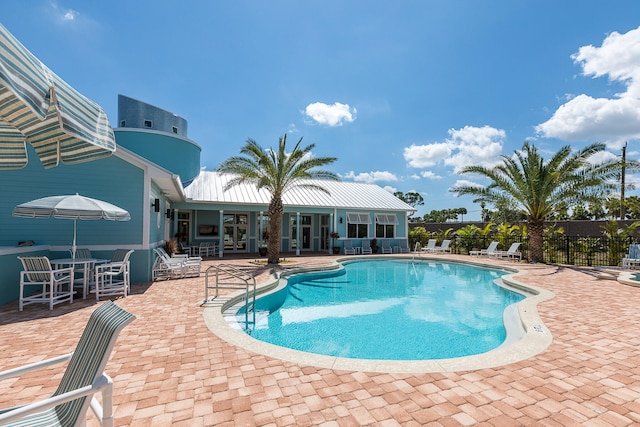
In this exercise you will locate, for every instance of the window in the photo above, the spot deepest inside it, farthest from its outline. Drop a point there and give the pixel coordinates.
(148, 123)
(174, 129)
(386, 225)
(358, 225)
(123, 123)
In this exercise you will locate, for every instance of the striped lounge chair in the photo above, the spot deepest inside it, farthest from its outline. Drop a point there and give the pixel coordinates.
(82, 379)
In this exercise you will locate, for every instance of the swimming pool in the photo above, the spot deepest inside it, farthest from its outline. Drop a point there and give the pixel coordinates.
(388, 310)
(531, 338)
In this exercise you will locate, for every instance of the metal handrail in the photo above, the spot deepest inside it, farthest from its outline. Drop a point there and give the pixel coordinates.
(416, 248)
(230, 277)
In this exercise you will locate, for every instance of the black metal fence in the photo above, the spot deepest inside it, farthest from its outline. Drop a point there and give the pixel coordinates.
(571, 250)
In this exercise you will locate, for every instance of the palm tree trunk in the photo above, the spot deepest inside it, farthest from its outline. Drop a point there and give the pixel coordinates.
(276, 210)
(536, 233)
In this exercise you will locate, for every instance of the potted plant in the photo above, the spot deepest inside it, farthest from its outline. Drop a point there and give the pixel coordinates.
(265, 239)
(374, 245)
(334, 236)
(171, 247)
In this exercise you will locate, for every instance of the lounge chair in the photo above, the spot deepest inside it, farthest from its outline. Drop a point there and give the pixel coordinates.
(366, 247)
(444, 247)
(632, 259)
(348, 248)
(40, 283)
(386, 247)
(402, 247)
(491, 249)
(166, 267)
(431, 245)
(511, 254)
(83, 377)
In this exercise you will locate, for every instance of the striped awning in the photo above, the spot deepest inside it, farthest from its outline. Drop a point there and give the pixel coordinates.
(38, 107)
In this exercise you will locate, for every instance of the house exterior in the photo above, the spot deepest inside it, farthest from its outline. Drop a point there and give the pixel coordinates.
(155, 175)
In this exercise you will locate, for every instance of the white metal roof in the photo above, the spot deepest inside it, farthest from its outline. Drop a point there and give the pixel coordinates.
(209, 187)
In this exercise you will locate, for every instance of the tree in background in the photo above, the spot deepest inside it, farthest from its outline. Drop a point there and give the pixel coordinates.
(276, 172)
(411, 198)
(538, 186)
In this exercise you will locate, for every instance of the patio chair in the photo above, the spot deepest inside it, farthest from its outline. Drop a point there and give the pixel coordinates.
(83, 377)
(366, 247)
(511, 254)
(190, 265)
(402, 247)
(444, 247)
(40, 283)
(348, 248)
(491, 249)
(386, 247)
(114, 278)
(632, 259)
(431, 245)
(82, 253)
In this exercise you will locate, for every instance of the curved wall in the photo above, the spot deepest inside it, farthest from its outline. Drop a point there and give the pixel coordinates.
(178, 155)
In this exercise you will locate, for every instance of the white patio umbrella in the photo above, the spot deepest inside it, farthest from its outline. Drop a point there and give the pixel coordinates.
(73, 207)
(38, 107)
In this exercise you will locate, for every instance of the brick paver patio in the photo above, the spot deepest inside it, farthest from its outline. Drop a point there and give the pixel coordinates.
(170, 370)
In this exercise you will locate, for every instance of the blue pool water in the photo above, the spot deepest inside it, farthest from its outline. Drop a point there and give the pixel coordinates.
(388, 310)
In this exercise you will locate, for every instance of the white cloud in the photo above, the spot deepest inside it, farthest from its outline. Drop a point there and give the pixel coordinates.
(467, 146)
(70, 15)
(390, 189)
(465, 183)
(429, 175)
(424, 156)
(371, 177)
(614, 120)
(330, 115)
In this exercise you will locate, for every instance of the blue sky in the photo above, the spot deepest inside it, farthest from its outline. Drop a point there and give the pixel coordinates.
(403, 93)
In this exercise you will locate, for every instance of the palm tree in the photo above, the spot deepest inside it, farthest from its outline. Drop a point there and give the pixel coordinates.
(539, 187)
(277, 172)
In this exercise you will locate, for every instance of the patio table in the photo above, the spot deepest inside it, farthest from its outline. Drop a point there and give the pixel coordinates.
(87, 264)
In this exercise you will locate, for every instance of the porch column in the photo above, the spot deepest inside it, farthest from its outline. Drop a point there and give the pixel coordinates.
(332, 228)
(297, 233)
(260, 230)
(221, 235)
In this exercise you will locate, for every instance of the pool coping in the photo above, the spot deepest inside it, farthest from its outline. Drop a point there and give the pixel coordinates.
(536, 337)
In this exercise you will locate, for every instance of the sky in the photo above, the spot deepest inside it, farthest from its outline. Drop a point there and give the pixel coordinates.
(404, 93)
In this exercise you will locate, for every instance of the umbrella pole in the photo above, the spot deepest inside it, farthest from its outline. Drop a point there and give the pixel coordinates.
(73, 248)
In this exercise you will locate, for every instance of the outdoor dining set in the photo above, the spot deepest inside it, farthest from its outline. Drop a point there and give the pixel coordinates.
(53, 281)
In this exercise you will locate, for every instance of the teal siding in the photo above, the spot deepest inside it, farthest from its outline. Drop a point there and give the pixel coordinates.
(110, 179)
(178, 155)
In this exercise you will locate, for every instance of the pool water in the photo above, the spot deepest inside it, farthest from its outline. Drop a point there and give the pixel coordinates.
(388, 310)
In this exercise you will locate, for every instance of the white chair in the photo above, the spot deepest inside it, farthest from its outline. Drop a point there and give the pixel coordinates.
(444, 247)
(366, 247)
(83, 377)
(166, 267)
(113, 278)
(632, 259)
(190, 265)
(402, 247)
(491, 249)
(386, 247)
(348, 248)
(511, 254)
(39, 283)
(431, 245)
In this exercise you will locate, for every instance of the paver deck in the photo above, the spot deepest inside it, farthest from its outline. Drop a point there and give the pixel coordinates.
(170, 370)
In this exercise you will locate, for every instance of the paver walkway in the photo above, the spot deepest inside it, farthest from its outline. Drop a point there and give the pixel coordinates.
(170, 370)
